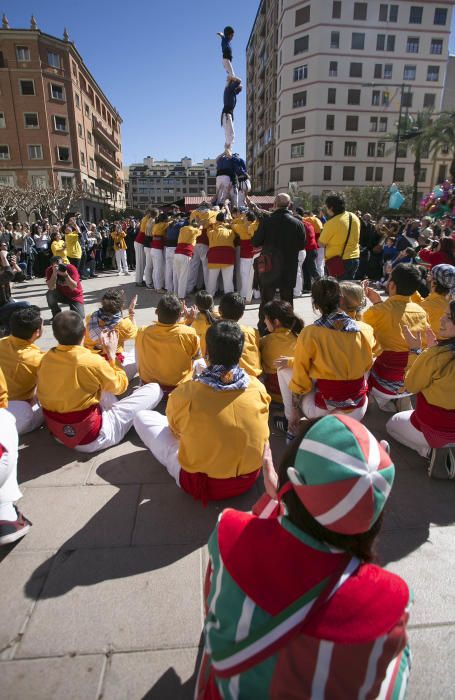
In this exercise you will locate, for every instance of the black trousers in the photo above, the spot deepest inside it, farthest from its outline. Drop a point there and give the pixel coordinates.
(267, 294)
(310, 273)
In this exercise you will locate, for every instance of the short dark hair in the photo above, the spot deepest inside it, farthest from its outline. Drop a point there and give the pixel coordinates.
(299, 211)
(232, 306)
(221, 216)
(336, 202)
(24, 322)
(169, 309)
(68, 328)
(224, 341)
(326, 295)
(55, 259)
(228, 30)
(406, 277)
(112, 300)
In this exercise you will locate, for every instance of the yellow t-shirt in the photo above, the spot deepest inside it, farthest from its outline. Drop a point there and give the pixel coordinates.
(3, 391)
(20, 361)
(58, 248)
(126, 329)
(334, 234)
(433, 375)
(280, 343)
(165, 353)
(73, 247)
(435, 305)
(118, 238)
(251, 358)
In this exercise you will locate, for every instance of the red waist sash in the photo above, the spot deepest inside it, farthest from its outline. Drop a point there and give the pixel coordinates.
(436, 423)
(75, 428)
(157, 243)
(387, 373)
(221, 255)
(246, 248)
(342, 394)
(140, 238)
(204, 488)
(203, 237)
(185, 249)
(272, 386)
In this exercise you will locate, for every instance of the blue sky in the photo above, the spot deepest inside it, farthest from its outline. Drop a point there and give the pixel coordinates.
(159, 63)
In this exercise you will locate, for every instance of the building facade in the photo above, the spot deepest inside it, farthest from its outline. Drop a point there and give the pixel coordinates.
(57, 127)
(160, 182)
(344, 71)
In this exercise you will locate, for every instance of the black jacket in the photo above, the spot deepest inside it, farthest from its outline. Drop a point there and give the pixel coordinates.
(285, 233)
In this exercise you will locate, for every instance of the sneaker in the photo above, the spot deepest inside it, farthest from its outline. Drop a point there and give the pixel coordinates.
(442, 463)
(12, 530)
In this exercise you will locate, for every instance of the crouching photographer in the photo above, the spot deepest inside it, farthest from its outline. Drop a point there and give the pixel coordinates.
(9, 272)
(64, 287)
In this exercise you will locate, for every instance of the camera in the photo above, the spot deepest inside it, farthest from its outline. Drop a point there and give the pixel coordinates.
(62, 267)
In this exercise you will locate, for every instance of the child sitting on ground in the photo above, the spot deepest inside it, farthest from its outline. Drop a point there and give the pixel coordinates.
(232, 308)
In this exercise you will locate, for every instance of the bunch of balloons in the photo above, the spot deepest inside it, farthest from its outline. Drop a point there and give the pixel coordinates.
(440, 202)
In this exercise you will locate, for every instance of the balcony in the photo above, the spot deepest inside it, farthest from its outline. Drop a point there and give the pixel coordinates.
(106, 178)
(99, 130)
(105, 156)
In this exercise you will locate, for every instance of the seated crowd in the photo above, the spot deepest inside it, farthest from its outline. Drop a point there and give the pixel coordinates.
(205, 385)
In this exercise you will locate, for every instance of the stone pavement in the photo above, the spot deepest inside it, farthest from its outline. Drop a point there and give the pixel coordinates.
(103, 598)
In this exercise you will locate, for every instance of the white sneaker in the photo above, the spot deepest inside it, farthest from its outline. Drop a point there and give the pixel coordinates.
(127, 273)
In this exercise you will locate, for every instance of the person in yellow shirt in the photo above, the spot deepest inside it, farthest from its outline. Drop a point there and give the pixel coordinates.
(205, 217)
(72, 244)
(205, 317)
(165, 351)
(232, 308)
(215, 432)
(387, 318)
(332, 357)
(75, 384)
(109, 318)
(430, 428)
(245, 226)
(221, 255)
(20, 360)
(139, 251)
(118, 236)
(341, 236)
(157, 251)
(184, 252)
(58, 247)
(436, 304)
(284, 328)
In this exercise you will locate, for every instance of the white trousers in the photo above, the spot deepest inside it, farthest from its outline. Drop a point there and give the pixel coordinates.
(237, 274)
(148, 269)
(28, 417)
(228, 279)
(244, 189)
(298, 289)
(246, 276)
(228, 67)
(199, 258)
(9, 488)
(130, 364)
(229, 134)
(158, 268)
(169, 269)
(223, 188)
(119, 418)
(401, 429)
(153, 429)
(140, 262)
(308, 405)
(388, 402)
(319, 262)
(120, 259)
(182, 266)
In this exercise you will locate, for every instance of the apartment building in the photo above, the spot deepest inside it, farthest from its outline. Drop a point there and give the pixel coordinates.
(159, 182)
(57, 127)
(345, 71)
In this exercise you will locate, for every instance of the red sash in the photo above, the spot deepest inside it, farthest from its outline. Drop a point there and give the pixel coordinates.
(203, 237)
(140, 238)
(387, 373)
(75, 428)
(158, 242)
(204, 488)
(246, 248)
(273, 387)
(185, 249)
(343, 395)
(436, 423)
(221, 255)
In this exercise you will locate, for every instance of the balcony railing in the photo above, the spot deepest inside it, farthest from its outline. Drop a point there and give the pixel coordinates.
(98, 127)
(107, 156)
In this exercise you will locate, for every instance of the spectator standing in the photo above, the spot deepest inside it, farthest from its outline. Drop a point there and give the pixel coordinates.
(28, 253)
(118, 237)
(58, 246)
(72, 241)
(131, 232)
(340, 239)
(9, 272)
(42, 244)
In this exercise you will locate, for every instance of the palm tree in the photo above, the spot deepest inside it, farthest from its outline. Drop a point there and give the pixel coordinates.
(443, 134)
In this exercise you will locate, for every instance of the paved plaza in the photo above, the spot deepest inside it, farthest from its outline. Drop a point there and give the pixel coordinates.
(103, 598)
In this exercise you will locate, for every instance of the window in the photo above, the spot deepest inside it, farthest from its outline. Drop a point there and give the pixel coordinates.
(378, 70)
(391, 42)
(436, 46)
(355, 70)
(412, 44)
(433, 73)
(373, 123)
(409, 73)
(67, 181)
(429, 100)
(327, 172)
(331, 96)
(388, 70)
(336, 9)
(440, 16)
(22, 53)
(371, 149)
(358, 41)
(57, 92)
(53, 59)
(375, 98)
(333, 69)
(299, 99)
(334, 40)
(399, 174)
(301, 44)
(330, 122)
(348, 173)
(87, 110)
(297, 150)
(382, 123)
(78, 100)
(4, 152)
(350, 148)
(383, 12)
(353, 97)
(31, 120)
(422, 175)
(380, 152)
(352, 122)
(298, 124)
(369, 173)
(89, 136)
(82, 154)
(63, 153)
(60, 123)
(27, 87)
(79, 130)
(35, 152)
(442, 172)
(402, 150)
(425, 151)
(378, 174)
(302, 16)
(407, 99)
(380, 42)
(92, 164)
(385, 98)
(296, 175)
(2, 120)
(415, 14)
(393, 13)
(8, 180)
(300, 73)
(360, 10)
(328, 148)
(445, 149)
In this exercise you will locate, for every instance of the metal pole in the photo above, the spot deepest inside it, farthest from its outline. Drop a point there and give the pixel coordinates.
(398, 134)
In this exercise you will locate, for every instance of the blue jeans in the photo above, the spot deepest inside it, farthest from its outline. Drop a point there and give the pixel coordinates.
(350, 269)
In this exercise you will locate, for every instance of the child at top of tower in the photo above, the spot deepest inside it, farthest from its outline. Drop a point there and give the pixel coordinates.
(226, 37)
